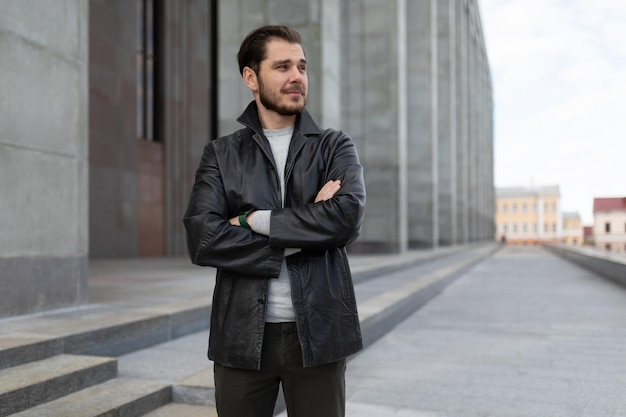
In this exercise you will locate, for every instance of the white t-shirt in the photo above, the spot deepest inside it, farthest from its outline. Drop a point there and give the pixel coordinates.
(279, 303)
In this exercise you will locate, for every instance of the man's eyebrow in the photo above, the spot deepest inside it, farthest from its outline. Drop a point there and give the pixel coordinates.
(288, 61)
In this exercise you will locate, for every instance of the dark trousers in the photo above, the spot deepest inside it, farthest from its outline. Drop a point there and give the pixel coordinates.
(313, 391)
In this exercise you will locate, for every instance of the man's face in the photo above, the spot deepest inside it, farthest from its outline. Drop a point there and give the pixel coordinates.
(282, 78)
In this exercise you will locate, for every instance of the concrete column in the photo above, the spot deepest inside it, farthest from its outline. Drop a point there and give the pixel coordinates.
(423, 124)
(43, 156)
(374, 54)
(329, 66)
(462, 39)
(473, 133)
(446, 53)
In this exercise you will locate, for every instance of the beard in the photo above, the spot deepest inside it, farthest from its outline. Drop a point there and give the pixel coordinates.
(271, 101)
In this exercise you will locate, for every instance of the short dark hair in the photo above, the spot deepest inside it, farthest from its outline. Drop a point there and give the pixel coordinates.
(253, 48)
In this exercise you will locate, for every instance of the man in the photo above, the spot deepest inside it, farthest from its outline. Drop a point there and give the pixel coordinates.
(272, 208)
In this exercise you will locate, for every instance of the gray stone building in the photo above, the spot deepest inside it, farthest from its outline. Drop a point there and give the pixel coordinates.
(105, 106)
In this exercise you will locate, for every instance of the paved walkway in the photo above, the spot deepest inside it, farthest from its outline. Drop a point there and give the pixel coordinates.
(522, 334)
(137, 282)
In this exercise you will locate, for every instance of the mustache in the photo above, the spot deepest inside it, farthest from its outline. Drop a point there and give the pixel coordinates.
(297, 89)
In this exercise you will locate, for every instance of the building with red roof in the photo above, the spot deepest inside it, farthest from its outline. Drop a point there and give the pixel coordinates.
(609, 223)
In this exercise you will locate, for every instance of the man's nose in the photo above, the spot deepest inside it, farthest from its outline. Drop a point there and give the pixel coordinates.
(296, 75)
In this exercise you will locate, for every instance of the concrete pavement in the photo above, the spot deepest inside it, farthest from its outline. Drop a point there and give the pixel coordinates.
(523, 334)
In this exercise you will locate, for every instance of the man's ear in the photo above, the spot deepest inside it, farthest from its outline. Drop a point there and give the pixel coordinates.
(249, 77)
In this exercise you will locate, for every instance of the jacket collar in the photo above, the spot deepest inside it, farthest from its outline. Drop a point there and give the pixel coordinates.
(304, 122)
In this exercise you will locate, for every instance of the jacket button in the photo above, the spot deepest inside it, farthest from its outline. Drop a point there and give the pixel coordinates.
(261, 300)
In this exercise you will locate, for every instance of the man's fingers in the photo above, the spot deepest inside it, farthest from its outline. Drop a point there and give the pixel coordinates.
(328, 190)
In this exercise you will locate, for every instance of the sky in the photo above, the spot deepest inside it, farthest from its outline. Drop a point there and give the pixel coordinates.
(558, 69)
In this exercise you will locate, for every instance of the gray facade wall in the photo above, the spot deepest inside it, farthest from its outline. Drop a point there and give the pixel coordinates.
(410, 82)
(418, 102)
(43, 155)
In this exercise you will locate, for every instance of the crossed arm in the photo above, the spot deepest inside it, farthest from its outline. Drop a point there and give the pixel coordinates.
(325, 193)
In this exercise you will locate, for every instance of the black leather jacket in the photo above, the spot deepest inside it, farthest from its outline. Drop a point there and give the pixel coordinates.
(237, 173)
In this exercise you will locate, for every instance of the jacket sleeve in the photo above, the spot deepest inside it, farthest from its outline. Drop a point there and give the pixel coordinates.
(332, 223)
(212, 240)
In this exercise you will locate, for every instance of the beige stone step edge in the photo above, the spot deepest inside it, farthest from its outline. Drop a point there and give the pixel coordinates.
(116, 397)
(111, 333)
(26, 386)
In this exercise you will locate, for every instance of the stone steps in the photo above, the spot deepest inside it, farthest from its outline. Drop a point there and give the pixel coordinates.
(183, 410)
(116, 397)
(28, 385)
(99, 330)
(197, 389)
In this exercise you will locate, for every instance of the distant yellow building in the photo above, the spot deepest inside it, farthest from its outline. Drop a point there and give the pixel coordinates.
(573, 230)
(529, 215)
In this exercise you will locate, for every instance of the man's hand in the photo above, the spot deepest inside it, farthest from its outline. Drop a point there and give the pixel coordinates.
(328, 190)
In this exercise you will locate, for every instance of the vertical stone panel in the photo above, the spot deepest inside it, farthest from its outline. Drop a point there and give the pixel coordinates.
(472, 128)
(372, 53)
(462, 124)
(43, 151)
(464, 139)
(423, 124)
(330, 54)
(447, 122)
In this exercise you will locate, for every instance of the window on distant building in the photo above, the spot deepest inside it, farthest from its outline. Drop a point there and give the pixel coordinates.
(554, 207)
(554, 227)
(525, 228)
(535, 227)
(514, 209)
(505, 228)
(514, 228)
(524, 208)
(607, 227)
(545, 227)
(607, 246)
(504, 208)
(575, 242)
